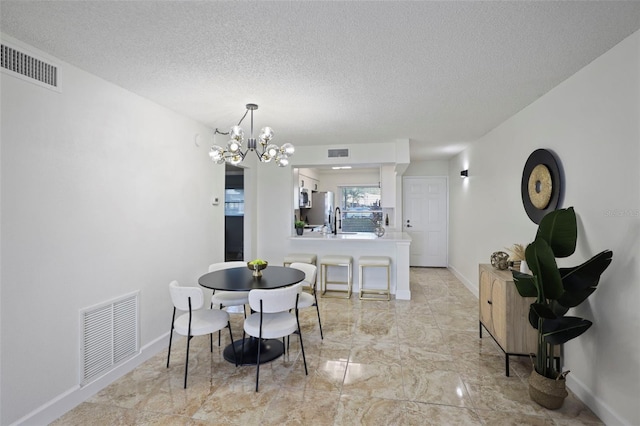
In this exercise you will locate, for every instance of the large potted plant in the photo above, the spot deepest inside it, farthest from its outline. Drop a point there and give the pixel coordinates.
(556, 291)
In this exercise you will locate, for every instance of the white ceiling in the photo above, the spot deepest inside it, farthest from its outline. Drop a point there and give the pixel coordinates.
(438, 73)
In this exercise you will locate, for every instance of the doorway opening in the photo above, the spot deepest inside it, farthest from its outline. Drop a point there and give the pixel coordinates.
(233, 213)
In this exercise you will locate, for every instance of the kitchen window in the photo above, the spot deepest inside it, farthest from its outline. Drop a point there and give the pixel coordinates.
(360, 207)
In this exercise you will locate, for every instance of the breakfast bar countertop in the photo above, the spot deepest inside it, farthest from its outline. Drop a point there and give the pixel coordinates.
(353, 236)
(393, 244)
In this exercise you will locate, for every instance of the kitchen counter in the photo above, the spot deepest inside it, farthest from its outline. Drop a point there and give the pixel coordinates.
(392, 244)
(353, 236)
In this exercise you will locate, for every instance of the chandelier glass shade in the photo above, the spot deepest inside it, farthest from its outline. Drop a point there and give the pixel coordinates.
(233, 152)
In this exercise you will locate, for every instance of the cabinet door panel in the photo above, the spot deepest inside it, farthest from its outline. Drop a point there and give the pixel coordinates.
(522, 336)
(485, 300)
(499, 310)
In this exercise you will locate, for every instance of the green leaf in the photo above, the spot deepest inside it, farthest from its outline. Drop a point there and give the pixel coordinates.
(525, 284)
(542, 262)
(580, 281)
(558, 309)
(538, 311)
(559, 229)
(543, 311)
(561, 330)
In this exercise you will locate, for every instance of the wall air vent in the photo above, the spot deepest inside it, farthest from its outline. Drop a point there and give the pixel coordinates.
(339, 153)
(110, 335)
(28, 67)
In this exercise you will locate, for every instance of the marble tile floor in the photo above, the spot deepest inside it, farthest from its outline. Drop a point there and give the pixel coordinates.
(417, 362)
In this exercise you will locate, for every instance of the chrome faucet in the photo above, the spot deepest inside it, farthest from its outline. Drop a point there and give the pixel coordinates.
(337, 220)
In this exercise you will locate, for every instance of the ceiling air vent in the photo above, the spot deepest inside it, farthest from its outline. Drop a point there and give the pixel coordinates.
(339, 153)
(29, 68)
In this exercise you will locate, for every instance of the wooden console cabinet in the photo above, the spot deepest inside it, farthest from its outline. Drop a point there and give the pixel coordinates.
(504, 313)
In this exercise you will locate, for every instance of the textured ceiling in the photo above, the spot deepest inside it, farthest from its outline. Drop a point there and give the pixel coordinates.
(438, 73)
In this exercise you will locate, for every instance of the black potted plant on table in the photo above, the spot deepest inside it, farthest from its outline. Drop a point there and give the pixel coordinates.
(299, 225)
(556, 291)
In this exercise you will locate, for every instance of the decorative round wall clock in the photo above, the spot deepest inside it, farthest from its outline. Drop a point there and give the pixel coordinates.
(541, 184)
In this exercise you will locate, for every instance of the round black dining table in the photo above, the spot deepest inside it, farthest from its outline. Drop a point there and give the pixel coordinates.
(242, 279)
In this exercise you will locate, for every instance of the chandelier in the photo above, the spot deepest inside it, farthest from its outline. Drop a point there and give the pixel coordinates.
(233, 153)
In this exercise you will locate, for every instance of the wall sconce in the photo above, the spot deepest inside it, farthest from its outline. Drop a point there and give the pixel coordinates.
(464, 174)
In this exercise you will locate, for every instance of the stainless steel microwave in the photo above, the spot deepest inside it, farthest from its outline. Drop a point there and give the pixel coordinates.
(305, 198)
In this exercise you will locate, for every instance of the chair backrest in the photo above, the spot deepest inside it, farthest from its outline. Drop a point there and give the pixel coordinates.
(310, 272)
(276, 300)
(226, 265)
(180, 296)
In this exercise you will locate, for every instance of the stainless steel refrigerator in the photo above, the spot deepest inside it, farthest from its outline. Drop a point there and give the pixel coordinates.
(321, 212)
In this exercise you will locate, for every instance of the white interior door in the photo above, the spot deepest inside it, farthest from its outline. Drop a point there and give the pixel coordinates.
(425, 219)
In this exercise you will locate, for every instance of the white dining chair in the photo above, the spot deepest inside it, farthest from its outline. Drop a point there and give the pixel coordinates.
(195, 321)
(308, 300)
(273, 319)
(223, 299)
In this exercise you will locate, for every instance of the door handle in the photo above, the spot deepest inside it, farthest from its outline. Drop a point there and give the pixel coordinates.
(409, 226)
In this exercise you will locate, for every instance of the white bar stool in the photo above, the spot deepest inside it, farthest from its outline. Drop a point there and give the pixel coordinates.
(300, 258)
(374, 262)
(340, 261)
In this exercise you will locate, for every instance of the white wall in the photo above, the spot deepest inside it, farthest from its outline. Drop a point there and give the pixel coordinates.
(428, 168)
(103, 193)
(591, 121)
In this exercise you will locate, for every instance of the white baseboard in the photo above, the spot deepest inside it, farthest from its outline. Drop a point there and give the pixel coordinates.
(73, 397)
(595, 404)
(473, 288)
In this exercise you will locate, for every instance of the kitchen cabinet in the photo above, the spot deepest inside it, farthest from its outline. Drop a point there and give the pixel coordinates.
(388, 186)
(308, 183)
(504, 313)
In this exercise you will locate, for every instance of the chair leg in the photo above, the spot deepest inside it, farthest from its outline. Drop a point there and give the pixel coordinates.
(219, 330)
(235, 356)
(242, 353)
(259, 346)
(186, 364)
(258, 363)
(306, 372)
(171, 335)
(318, 310)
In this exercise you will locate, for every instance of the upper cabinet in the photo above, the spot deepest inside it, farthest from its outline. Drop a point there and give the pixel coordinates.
(308, 180)
(388, 186)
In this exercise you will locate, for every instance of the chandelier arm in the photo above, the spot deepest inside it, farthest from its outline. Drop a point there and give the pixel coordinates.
(245, 114)
(218, 132)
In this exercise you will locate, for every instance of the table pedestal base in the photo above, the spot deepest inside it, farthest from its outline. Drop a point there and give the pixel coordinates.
(270, 349)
